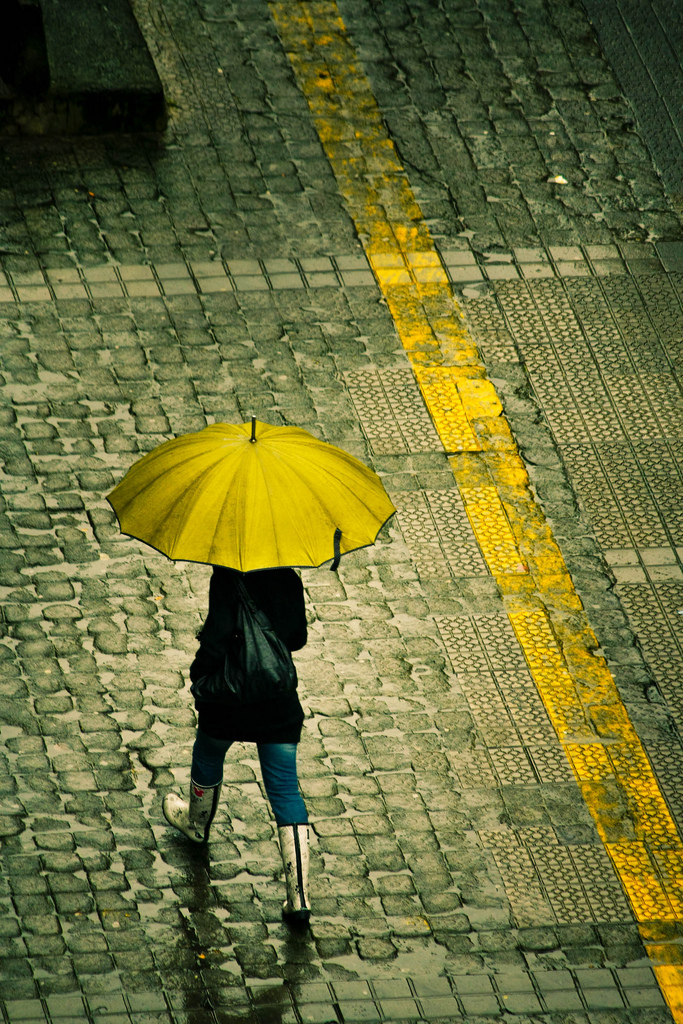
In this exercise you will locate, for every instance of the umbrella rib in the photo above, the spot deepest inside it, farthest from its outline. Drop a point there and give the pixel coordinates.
(270, 506)
(334, 481)
(218, 520)
(155, 480)
(190, 510)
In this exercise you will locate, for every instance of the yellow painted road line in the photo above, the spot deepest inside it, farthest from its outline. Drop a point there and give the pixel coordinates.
(609, 762)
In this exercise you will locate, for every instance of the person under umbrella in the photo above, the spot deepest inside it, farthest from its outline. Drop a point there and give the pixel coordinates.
(274, 725)
(253, 501)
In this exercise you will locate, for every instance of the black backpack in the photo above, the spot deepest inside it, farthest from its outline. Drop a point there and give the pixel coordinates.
(254, 664)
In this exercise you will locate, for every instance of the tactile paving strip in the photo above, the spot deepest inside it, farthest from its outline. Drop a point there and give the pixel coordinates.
(492, 529)
(551, 675)
(550, 882)
(663, 649)
(435, 527)
(439, 386)
(392, 412)
(493, 674)
(530, 903)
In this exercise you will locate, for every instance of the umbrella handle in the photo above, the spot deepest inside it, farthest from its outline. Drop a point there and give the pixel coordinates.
(337, 550)
(253, 430)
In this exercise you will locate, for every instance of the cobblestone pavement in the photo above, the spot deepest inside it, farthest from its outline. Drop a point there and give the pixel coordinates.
(479, 854)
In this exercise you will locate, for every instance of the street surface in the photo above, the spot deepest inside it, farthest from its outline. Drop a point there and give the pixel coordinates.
(433, 235)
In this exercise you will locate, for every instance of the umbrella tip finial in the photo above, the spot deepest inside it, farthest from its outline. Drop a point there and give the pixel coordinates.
(253, 430)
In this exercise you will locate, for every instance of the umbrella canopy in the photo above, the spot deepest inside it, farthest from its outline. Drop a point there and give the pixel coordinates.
(251, 496)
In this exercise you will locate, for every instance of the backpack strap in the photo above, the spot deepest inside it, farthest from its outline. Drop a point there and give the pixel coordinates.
(247, 599)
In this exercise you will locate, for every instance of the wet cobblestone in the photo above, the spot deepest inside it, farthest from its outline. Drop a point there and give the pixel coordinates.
(151, 288)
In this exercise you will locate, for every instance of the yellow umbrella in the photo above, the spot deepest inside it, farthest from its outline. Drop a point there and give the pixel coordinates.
(251, 496)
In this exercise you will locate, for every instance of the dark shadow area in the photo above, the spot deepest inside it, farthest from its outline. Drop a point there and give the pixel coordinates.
(81, 185)
(23, 57)
(70, 67)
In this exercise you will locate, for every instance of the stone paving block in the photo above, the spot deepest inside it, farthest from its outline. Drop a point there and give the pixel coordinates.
(358, 1010)
(178, 286)
(38, 294)
(530, 256)
(431, 987)
(608, 268)
(603, 999)
(563, 1001)
(576, 269)
(458, 258)
(33, 277)
(109, 290)
(642, 998)
(321, 280)
(312, 992)
(171, 271)
(461, 273)
(356, 990)
(138, 272)
(561, 253)
(207, 268)
(392, 989)
(501, 272)
(65, 1006)
(69, 291)
(243, 268)
(513, 982)
(100, 274)
(318, 1013)
(392, 411)
(146, 1002)
(480, 1005)
(595, 978)
(472, 984)
(250, 284)
(25, 1009)
(643, 266)
(106, 1005)
(534, 271)
(400, 1009)
(141, 288)
(439, 1007)
(316, 265)
(358, 262)
(358, 279)
(636, 977)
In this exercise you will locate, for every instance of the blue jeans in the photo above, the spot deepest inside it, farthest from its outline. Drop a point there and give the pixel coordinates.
(278, 767)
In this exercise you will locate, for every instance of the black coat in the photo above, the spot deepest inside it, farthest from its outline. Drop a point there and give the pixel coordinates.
(280, 594)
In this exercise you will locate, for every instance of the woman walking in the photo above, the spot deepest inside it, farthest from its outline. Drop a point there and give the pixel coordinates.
(251, 499)
(273, 724)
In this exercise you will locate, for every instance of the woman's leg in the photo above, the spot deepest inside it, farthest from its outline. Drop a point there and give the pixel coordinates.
(278, 767)
(208, 755)
(194, 816)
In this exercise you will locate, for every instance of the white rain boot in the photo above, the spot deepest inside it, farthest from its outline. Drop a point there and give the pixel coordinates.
(193, 818)
(294, 849)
